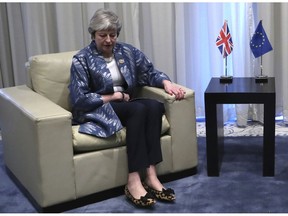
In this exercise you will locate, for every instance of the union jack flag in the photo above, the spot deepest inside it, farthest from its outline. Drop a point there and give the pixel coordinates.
(224, 41)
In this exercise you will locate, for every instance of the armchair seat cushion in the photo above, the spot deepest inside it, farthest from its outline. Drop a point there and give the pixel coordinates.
(84, 142)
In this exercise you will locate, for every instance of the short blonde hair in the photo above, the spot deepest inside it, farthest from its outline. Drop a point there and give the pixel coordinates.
(104, 19)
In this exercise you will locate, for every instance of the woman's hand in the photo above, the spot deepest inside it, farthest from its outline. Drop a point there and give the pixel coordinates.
(116, 96)
(173, 89)
(125, 97)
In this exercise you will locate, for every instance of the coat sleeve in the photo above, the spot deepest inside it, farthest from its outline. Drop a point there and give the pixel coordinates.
(146, 73)
(81, 97)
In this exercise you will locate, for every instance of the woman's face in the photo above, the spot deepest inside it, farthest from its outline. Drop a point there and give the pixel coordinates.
(105, 41)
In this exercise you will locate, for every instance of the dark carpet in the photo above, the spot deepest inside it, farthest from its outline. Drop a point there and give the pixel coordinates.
(240, 188)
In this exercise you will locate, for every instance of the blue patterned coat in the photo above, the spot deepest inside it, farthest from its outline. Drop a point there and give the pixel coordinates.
(90, 78)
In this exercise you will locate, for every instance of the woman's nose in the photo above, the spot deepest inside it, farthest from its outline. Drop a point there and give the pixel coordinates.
(108, 38)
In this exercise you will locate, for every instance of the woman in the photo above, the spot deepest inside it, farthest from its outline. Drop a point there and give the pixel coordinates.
(103, 78)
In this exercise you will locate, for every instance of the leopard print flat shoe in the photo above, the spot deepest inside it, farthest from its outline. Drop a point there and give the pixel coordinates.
(145, 201)
(164, 195)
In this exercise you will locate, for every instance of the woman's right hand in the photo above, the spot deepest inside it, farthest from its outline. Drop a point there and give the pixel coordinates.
(116, 96)
(124, 96)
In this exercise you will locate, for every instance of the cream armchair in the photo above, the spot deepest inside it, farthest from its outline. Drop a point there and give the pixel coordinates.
(54, 163)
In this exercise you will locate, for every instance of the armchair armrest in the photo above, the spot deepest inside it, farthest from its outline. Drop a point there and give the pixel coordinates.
(37, 139)
(182, 119)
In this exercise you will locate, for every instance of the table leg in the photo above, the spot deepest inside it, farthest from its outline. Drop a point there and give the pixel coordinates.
(269, 137)
(214, 135)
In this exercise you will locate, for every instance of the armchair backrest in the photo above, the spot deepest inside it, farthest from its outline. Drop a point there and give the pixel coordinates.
(49, 76)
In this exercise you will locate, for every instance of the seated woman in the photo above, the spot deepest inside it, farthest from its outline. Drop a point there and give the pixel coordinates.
(104, 76)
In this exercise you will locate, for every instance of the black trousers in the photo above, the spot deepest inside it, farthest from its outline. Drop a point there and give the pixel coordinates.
(143, 121)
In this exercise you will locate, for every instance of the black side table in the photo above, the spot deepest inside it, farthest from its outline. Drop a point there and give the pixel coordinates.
(240, 91)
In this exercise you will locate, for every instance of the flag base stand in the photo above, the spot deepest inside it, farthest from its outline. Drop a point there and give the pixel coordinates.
(226, 79)
(261, 79)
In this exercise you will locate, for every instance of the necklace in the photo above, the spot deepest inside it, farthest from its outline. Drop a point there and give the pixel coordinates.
(110, 59)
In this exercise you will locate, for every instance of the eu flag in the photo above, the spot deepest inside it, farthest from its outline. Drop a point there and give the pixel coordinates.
(259, 43)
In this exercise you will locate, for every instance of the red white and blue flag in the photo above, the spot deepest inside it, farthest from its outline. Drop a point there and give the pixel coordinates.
(224, 41)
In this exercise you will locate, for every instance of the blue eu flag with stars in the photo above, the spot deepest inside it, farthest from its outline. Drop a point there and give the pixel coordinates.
(259, 43)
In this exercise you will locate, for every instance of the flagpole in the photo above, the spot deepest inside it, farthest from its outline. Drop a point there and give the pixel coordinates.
(261, 67)
(226, 67)
(261, 78)
(226, 78)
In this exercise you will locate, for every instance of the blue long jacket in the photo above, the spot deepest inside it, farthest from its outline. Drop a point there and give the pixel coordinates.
(90, 78)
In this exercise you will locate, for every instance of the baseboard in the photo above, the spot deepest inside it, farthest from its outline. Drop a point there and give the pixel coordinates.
(93, 198)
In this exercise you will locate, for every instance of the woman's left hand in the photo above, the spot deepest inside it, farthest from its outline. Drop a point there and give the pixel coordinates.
(173, 89)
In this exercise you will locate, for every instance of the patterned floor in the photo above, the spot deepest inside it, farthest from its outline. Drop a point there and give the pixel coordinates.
(231, 129)
(252, 129)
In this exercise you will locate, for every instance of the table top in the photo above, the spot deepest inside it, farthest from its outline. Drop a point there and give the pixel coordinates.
(241, 85)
